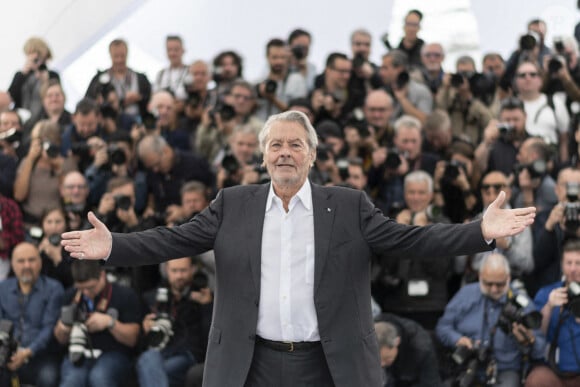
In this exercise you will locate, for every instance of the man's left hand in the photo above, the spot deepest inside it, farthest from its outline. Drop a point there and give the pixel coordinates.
(499, 223)
(19, 358)
(98, 322)
(522, 334)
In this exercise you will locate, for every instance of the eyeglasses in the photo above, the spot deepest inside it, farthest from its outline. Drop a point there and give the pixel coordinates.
(366, 44)
(432, 54)
(489, 284)
(77, 186)
(497, 187)
(531, 74)
(242, 96)
(342, 71)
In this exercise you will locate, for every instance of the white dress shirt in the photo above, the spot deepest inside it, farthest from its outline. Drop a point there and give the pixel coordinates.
(286, 310)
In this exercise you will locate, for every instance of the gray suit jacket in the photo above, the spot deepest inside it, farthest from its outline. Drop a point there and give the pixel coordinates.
(347, 229)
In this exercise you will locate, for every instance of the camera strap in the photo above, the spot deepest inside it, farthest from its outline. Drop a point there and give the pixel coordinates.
(104, 299)
(554, 345)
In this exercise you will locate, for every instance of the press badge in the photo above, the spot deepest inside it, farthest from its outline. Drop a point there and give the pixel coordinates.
(417, 288)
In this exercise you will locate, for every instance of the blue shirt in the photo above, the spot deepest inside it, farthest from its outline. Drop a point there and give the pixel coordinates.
(465, 316)
(33, 315)
(569, 336)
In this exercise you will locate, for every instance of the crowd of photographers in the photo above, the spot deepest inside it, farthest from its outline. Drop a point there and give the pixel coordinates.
(426, 144)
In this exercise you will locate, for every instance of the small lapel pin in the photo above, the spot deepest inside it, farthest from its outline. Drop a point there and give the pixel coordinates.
(328, 210)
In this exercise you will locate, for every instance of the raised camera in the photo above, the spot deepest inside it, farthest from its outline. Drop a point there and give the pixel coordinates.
(122, 202)
(299, 51)
(270, 86)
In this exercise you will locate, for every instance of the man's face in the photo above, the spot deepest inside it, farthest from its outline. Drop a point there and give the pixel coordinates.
(179, 273)
(241, 99)
(163, 107)
(571, 266)
(388, 355)
(86, 124)
(528, 79)
(287, 155)
(388, 72)
(514, 117)
(92, 287)
(336, 144)
(54, 223)
(440, 139)
(494, 65)
(158, 162)
(356, 177)
(174, 51)
(193, 202)
(417, 195)
(243, 146)
(412, 26)
(118, 55)
(526, 155)
(432, 57)
(361, 45)
(54, 99)
(74, 188)
(278, 60)
(26, 263)
(493, 282)
(491, 185)
(229, 68)
(378, 109)
(408, 140)
(200, 73)
(338, 74)
(9, 120)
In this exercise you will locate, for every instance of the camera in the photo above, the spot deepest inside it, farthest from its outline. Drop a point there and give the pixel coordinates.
(471, 360)
(506, 132)
(270, 86)
(433, 212)
(451, 171)
(51, 149)
(74, 208)
(7, 343)
(555, 64)
(122, 202)
(536, 169)
(74, 315)
(116, 155)
(358, 61)
(529, 41)
(573, 304)
(82, 150)
(402, 79)
(162, 328)
(572, 208)
(104, 87)
(226, 112)
(11, 136)
(393, 160)
(108, 111)
(199, 281)
(513, 312)
(299, 51)
(230, 164)
(456, 80)
(54, 239)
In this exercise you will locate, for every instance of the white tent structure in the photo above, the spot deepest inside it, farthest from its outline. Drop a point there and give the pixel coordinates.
(79, 31)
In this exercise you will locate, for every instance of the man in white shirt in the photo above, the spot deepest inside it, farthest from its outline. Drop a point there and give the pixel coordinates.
(174, 77)
(292, 303)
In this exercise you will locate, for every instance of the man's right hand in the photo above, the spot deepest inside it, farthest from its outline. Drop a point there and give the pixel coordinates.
(556, 216)
(465, 342)
(89, 244)
(558, 297)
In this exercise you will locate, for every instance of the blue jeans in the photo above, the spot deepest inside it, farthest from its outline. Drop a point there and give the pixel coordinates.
(158, 369)
(109, 369)
(41, 371)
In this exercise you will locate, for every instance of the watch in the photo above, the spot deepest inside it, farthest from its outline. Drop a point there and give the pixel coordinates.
(112, 323)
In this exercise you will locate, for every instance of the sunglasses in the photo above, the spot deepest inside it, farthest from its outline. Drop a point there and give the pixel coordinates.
(530, 74)
(496, 187)
(432, 54)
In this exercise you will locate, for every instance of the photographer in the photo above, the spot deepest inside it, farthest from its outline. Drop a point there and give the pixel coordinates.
(26, 84)
(462, 95)
(365, 74)
(163, 107)
(30, 302)
(53, 109)
(239, 164)
(280, 85)
(299, 42)
(74, 192)
(55, 262)
(228, 69)
(12, 143)
(218, 123)
(563, 70)
(194, 198)
(177, 326)
(408, 357)
(431, 72)
(105, 326)
(496, 326)
(410, 97)
(502, 140)
(531, 47)
(172, 78)
(378, 110)
(559, 305)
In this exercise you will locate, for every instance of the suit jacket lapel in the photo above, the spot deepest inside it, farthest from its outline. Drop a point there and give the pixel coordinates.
(254, 216)
(323, 210)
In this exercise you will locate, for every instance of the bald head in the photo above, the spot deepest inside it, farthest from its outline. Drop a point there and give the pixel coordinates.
(74, 188)
(378, 108)
(26, 263)
(162, 106)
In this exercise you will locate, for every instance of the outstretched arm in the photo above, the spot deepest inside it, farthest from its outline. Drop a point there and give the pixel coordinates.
(95, 243)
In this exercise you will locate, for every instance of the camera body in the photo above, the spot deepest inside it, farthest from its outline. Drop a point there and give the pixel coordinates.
(226, 112)
(116, 155)
(162, 328)
(471, 360)
(393, 160)
(513, 312)
(536, 169)
(451, 171)
(122, 202)
(270, 86)
(402, 79)
(506, 132)
(572, 208)
(51, 149)
(230, 164)
(573, 304)
(299, 51)
(7, 343)
(358, 61)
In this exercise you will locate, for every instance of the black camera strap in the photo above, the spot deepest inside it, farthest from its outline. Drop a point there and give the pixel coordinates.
(554, 345)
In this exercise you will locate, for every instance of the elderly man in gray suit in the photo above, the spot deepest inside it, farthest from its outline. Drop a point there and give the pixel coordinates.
(292, 303)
